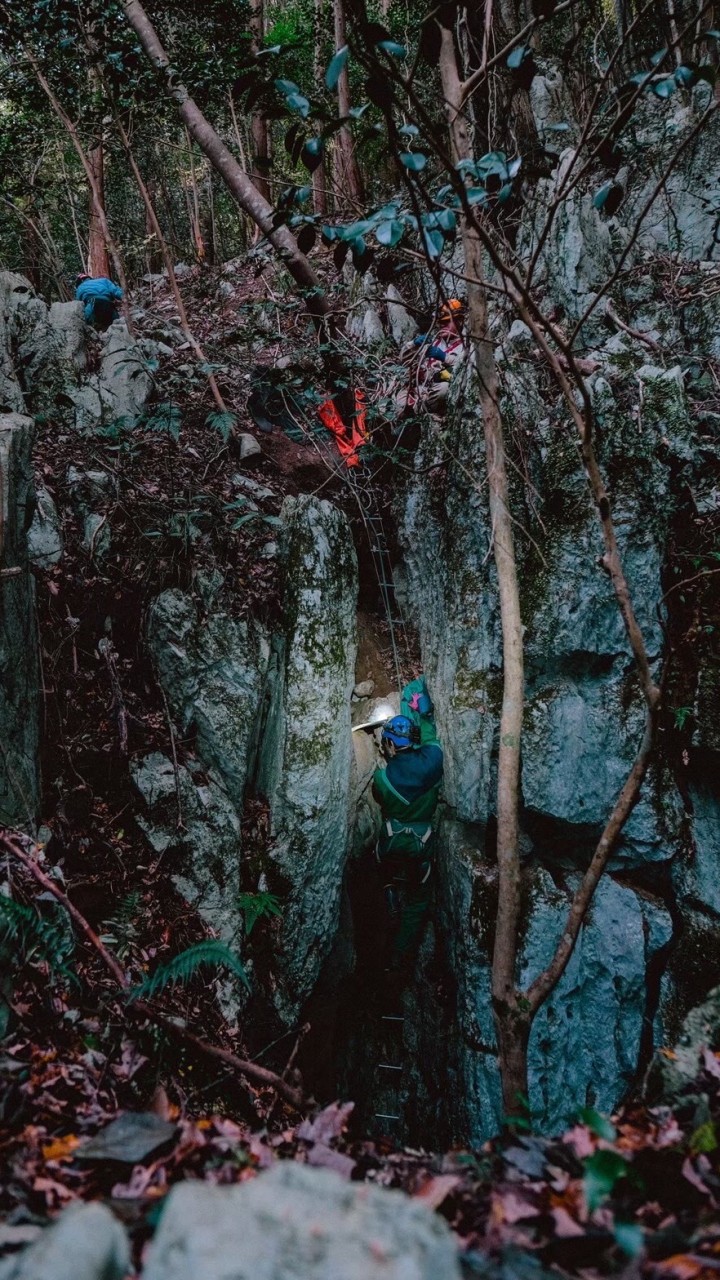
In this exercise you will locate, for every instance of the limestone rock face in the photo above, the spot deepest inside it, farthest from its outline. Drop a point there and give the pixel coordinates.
(213, 669)
(85, 1243)
(34, 370)
(203, 852)
(296, 1221)
(667, 1077)
(43, 357)
(19, 666)
(44, 538)
(305, 763)
(583, 722)
(585, 1040)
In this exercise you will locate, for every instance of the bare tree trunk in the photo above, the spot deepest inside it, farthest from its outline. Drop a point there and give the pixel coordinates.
(194, 206)
(349, 180)
(258, 124)
(151, 217)
(98, 257)
(319, 184)
(511, 1026)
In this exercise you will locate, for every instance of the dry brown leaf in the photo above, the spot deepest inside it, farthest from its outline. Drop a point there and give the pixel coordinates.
(435, 1190)
(61, 1148)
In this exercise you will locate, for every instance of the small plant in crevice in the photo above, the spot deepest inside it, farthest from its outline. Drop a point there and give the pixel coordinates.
(256, 906)
(210, 954)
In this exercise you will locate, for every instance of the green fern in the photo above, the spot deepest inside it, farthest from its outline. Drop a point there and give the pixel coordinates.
(120, 931)
(49, 941)
(183, 967)
(256, 905)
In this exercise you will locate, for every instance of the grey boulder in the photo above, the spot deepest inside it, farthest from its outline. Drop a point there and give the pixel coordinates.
(297, 1223)
(85, 1243)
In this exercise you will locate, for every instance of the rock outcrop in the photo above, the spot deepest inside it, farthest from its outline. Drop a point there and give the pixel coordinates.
(19, 660)
(294, 1221)
(85, 1243)
(306, 757)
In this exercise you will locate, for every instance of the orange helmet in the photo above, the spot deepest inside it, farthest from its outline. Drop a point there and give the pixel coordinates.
(451, 309)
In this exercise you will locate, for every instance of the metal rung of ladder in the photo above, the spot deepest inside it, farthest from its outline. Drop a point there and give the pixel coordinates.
(388, 1066)
(391, 1017)
(382, 1115)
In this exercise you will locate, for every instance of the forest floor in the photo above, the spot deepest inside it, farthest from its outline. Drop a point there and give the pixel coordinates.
(638, 1195)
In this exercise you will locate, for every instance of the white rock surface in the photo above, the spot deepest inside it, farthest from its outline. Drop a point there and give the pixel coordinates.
(297, 1223)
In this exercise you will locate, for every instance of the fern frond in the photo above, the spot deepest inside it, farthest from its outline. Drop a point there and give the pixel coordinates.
(256, 905)
(50, 941)
(183, 967)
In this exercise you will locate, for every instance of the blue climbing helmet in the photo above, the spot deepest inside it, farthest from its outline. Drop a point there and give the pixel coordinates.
(401, 731)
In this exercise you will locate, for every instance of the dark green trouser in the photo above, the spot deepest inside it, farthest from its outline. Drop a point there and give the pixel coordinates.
(407, 888)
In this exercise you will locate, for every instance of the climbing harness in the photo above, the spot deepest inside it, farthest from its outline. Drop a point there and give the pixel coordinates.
(394, 829)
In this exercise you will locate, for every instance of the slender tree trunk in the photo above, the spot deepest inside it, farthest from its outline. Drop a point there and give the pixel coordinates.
(258, 124)
(194, 206)
(152, 220)
(98, 256)
(319, 182)
(349, 180)
(511, 1025)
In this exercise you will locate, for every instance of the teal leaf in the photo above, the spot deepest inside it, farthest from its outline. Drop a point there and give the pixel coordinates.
(302, 194)
(286, 87)
(335, 67)
(658, 57)
(312, 154)
(358, 112)
(602, 1171)
(446, 220)
(712, 34)
(517, 56)
(387, 211)
(504, 193)
(409, 130)
(601, 196)
(415, 161)
(664, 88)
(296, 102)
(476, 195)
(389, 233)
(393, 48)
(494, 162)
(685, 75)
(434, 241)
(629, 1238)
(598, 1124)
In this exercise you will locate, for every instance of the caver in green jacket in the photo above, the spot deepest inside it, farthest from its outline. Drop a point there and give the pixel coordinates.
(408, 790)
